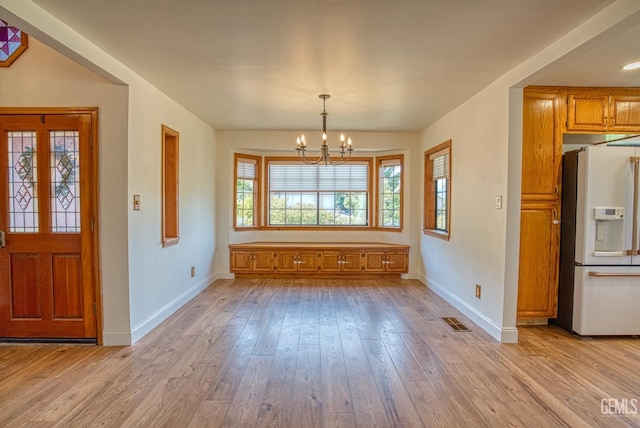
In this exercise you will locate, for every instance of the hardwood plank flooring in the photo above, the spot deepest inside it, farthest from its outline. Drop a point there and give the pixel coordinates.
(269, 352)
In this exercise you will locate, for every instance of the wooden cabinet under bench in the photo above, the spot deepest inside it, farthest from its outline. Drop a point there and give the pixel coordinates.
(318, 259)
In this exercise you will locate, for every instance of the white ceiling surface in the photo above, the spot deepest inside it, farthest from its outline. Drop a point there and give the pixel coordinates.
(388, 65)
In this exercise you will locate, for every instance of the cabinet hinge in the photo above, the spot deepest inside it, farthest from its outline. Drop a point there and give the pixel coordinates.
(92, 225)
(94, 308)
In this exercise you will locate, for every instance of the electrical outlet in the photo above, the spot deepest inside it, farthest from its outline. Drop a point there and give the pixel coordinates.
(478, 290)
(193, 271)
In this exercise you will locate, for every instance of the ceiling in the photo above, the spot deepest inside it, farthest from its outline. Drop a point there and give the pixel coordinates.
(388, 65)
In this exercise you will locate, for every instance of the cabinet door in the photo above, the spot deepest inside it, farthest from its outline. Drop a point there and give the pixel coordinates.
(241, 261)
(352, 261)
(625, 113)
(538, 275)
(307, 261)
(587, 112)
(541, 148)
(263, 261)
(373, 261)
(396, 261)
(330, 261)
(286, 261)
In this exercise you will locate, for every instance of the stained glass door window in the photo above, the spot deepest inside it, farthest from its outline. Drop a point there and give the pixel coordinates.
(65, 181)
(23, 173)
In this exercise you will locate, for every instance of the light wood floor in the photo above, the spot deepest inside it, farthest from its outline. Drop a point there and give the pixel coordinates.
(322, 353)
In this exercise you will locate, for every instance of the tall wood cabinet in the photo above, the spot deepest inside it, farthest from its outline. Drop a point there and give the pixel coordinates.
(548, 113)
(540, 210)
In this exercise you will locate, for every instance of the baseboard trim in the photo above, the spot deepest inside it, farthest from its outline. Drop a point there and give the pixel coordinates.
(503, 335)
(116, 338)
(165, 312)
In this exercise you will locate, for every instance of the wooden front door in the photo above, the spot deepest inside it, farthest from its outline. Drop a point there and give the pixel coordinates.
(46, 269)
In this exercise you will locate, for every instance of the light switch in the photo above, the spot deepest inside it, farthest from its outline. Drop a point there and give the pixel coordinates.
(136, 202)
(499, 202)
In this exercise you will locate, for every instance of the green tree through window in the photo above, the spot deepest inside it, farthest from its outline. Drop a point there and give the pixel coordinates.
(390, 191)
(247, 174)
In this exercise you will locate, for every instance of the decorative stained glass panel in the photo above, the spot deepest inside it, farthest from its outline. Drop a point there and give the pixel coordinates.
(12, 43)
(65, 181)
(23, 173)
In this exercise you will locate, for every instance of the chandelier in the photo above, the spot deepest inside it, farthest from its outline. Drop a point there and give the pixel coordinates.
(325, 156)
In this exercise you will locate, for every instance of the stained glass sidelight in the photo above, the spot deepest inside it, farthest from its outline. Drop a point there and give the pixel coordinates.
(12, 43)
(65, 181)
(23, 198)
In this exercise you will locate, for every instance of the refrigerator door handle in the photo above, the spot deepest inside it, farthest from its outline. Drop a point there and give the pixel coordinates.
(613, 274)
(635, 161)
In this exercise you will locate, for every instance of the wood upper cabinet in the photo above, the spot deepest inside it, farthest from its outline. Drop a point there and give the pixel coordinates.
(297, 261)
(539, 250)
(596, 111)
(541, 146)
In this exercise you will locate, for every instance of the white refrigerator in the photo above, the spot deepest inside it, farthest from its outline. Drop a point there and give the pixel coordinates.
(599, 287)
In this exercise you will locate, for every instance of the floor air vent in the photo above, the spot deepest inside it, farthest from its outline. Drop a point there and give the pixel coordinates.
(455, 324)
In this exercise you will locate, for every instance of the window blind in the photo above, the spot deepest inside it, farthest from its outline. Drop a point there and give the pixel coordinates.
(246, 169)
(351, 177)
(440, 164)
(390, 162)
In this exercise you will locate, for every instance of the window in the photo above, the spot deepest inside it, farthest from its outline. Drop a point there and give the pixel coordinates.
(390, 191)
(437, 191)
(13, 43)
(247, 191)
(170, 194)
(318, 195)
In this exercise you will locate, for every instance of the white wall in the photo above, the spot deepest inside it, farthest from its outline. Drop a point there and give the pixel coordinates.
(143, 283)
(475, 252)
(159, 278)
(486, 161)
(282, 143)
